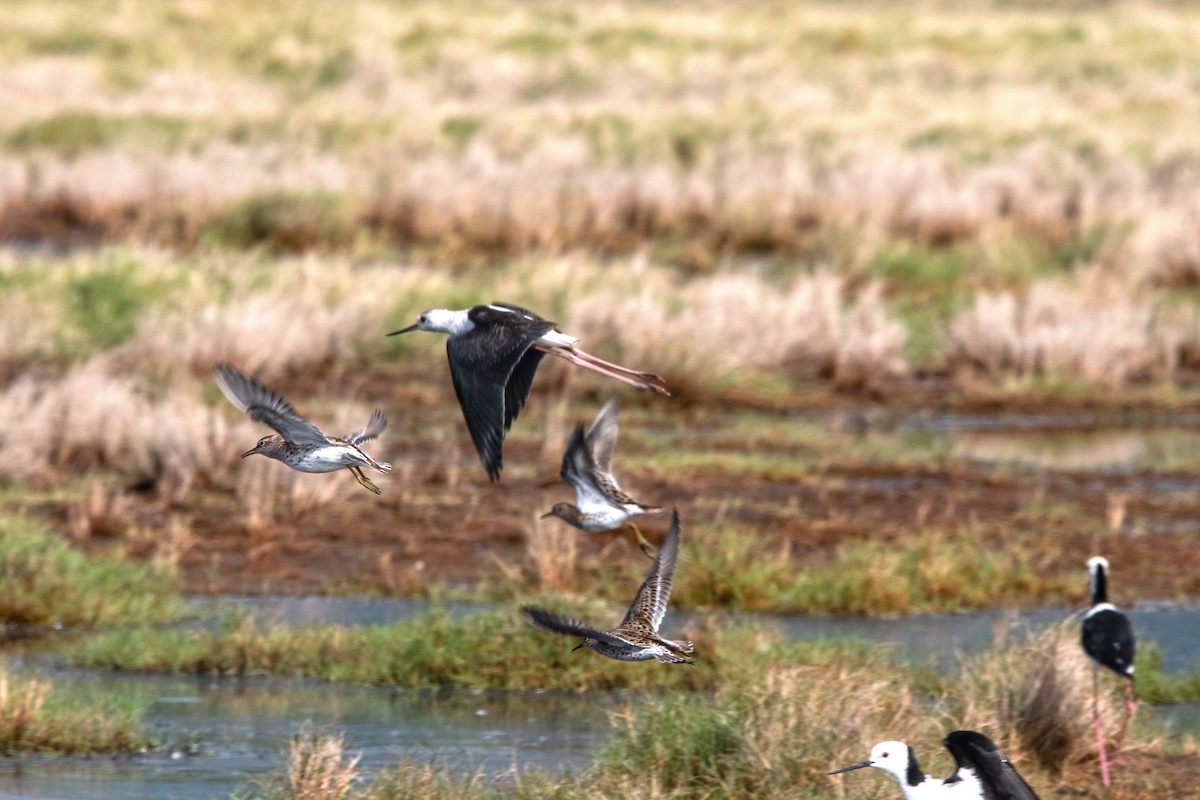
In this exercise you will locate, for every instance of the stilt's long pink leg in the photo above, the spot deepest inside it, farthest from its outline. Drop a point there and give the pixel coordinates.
(650, 376)
(1130, 708)
(572, 358)
(1099, 729)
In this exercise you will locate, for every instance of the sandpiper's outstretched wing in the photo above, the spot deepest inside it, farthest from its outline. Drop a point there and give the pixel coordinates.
(374, 427)
(267, 407)
(492, 368)
(602, 437)
(997, 777)
(578, 470)
(650, 605)
(568, 626)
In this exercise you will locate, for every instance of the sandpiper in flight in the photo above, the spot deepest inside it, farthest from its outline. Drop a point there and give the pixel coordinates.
(1108, 639)
(979, 763)
(494, 351)
(600, 505)
(636, 638)
(300, 444)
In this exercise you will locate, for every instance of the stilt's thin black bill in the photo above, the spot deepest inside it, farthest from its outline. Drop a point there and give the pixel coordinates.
(403, 330)
(847, 769)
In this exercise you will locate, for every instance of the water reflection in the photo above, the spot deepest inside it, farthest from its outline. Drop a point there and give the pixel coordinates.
(221, 734)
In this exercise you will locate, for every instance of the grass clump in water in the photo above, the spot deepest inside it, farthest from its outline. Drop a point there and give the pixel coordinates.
(35, 716)
(45, 580)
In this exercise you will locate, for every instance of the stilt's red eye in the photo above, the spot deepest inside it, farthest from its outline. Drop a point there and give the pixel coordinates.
(884, 755)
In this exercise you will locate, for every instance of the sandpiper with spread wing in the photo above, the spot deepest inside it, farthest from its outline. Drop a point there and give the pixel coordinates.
(494, 351)
(636, 638)
(599, 505)
(299, 443)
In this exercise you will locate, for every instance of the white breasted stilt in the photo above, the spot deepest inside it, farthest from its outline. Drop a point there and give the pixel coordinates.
(494, 351)
(1108, 639)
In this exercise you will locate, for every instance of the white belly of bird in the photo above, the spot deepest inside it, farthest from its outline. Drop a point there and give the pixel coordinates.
(330, 459)
(599, 517)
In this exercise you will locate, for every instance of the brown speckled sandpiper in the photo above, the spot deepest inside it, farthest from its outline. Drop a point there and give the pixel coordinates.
(636, 638)
(300, 444)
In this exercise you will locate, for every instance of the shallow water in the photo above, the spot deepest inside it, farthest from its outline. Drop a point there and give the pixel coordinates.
(221, 734)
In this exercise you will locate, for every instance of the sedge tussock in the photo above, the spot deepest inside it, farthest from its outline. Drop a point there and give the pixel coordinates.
(718, 325)
(318, 767)
(1099, 331)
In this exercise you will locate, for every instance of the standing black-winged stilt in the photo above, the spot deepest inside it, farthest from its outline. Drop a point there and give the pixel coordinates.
(981, 773)
(600, 505)
(494, 351)
(300, 444)
(1108, 639)
(978, 762)
(636, 638)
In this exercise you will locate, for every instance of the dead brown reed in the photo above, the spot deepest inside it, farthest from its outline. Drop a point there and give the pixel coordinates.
(318, 768)
(1035, 700)
(717, 326)
(552, 548)
(1101, 331)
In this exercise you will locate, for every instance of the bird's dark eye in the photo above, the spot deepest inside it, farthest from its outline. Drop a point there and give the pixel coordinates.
(421, 319)
(262, 442)
(885, 755)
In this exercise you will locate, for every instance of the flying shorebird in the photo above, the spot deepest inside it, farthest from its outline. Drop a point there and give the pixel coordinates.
(600, 505)
(636, 638)
(982, 772)
(494, 351)
(978, 762)
(1108, 639)
(299, 443)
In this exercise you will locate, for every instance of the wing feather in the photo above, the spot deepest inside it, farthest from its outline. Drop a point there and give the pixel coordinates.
(650, 605)
(568, 626)
(265, 406)
(375, 426)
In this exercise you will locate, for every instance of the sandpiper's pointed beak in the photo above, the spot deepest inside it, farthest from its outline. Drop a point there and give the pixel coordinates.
(847, 769)
(576, 647)
(548, 515)
(250, 452)
(405, 330)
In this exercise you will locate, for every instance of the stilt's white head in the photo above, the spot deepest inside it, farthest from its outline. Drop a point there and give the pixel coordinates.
(896, 759)
(440, 320)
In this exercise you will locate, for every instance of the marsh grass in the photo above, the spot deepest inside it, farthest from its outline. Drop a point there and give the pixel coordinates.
(46, 580)
(775, 723)
(38, 716)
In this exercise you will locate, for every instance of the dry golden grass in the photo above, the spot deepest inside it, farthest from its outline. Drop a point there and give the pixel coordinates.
(718, 128)
(711, 328)
(1099, 330)
(318, 768)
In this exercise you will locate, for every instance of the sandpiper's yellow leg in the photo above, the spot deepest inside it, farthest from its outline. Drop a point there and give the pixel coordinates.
(364, 480)
(650, 550)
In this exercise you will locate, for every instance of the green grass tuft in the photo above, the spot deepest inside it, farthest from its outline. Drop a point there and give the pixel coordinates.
(45, 580)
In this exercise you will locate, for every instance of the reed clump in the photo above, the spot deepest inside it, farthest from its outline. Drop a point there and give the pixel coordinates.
(38, 716)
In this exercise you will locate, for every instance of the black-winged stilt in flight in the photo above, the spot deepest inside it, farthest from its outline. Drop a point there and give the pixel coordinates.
(494, 351)
(599, 505)
(978, 762)
(1108, 639)
(982, 772)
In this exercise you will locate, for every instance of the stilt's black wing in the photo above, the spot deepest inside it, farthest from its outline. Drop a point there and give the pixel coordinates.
(997, 776)
(492, 368)
(1108, 638)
